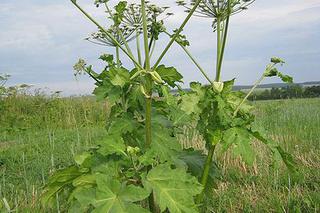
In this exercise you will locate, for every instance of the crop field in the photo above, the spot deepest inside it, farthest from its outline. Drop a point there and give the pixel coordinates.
(39, 135)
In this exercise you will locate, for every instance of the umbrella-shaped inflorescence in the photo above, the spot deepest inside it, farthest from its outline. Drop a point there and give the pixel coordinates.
(216, 8)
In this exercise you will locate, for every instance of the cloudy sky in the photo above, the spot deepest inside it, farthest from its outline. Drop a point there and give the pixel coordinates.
(40, 40)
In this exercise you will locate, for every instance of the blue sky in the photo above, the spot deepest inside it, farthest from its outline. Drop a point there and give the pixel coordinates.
(40, 40)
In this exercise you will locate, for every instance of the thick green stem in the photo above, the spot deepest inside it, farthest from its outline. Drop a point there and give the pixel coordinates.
(138, 47)
(149, 82)
(148, 85)
(221, 37)
(224, 41)
(108, 34)
(205, 173)
(218, 72)
(195, 5)
(118, 57)
(148, 121)
(145, 35)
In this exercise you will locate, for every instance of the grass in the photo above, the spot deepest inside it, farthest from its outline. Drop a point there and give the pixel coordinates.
(39, 135)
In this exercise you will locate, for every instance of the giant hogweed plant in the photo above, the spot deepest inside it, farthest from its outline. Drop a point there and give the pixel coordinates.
(140, 166)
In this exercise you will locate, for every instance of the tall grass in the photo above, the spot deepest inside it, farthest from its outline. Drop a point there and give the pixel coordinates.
(39, 135)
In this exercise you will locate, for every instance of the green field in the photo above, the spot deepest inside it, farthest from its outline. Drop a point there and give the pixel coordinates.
(39, 135)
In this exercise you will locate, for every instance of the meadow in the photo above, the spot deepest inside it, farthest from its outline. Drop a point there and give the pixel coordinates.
(39, 135)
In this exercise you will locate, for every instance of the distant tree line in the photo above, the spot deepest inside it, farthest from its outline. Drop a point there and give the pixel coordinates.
(290, 91)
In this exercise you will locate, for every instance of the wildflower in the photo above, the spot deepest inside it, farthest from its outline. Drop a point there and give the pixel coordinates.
(216, 8)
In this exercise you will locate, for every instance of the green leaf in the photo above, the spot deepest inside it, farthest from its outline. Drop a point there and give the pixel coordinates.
(168, 97)
(277, 60)
(285, 78)
(118, 16)
(235, 98)
(288, 160)
(122, 125)
(59, 181)
(84, 180)
(81, 158)
(112, 144)
(195, 161)
(173, 189)
(85, 197)
(239, 138)
(121, 7)
(196, 87)
(101, 92)
(228, 86)
(119, 76)
(189, 103)
(179, 117)
(169, 74)
(115, 197)
(107, 58)
(271, 72)
(114, 95)
(277, 152)
(163, 148)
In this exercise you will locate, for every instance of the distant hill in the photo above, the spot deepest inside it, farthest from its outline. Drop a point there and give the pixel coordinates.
(277, 85)
(266, 86)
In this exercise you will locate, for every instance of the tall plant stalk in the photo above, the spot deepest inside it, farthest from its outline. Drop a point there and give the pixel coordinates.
(118, 56)
(130, 56)
(164, 52)
(222, 32)
(138, 47)
(148, 80)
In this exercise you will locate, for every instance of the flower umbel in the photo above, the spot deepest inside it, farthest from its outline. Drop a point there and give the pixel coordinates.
(216, 8)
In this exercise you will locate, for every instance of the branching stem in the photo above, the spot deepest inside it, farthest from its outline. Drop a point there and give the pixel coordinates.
(193, 59)
(195, 5)
(149, 81)
(221, 43)
(108, 34)
(252, 90)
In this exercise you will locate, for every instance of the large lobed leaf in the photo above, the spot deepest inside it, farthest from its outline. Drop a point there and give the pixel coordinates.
(163, 148)
(169, 74)
(174, 189)
(110, 196)
(115, 197)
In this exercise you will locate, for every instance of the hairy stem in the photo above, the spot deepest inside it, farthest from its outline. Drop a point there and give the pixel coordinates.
(152, 49)
(118, 57)
(145, 35)
(251, 90)
(108, 34)
(205, 173)
(149, 81)
(221, 37)
(218, 72)
(177, 33)
(224, 37)
(224, 41)
(138, 47)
